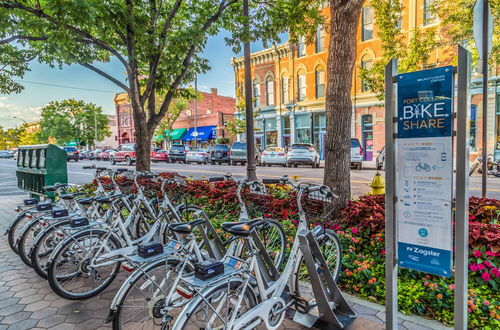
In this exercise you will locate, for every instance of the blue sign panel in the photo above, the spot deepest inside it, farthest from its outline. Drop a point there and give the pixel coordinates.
(425, 103)
(424, 169)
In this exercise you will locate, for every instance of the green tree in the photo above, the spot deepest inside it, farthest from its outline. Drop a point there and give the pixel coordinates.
(72, 120)
(29, 136)
(157, 42)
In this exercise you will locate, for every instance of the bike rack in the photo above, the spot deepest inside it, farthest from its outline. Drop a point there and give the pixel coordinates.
(332, 306)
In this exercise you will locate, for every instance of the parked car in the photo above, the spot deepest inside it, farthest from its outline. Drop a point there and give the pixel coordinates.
(12, 153)
(274, 156)
(356, 154)
(200, 156)
(71, 153)
(380, 160)
(15, 154)
(220, 154)
(84, 154)
(92, 155)
(238, 154)
(159, 156)
(5, 154)
(177, 153)
(124, 153)
(105, 155)
(303, 154)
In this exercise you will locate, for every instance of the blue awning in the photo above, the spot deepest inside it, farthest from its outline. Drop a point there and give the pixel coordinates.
(204, 133)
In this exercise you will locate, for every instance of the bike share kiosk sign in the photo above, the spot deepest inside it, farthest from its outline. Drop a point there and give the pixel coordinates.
(424, 169)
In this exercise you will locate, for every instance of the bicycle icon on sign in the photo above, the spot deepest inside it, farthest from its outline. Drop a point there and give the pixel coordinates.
(423, 167)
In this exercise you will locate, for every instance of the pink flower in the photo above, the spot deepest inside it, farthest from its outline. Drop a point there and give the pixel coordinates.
(476, 253)
(472, 217)
(451, 287)
(486, 276)
(481, 266)
(489, 253)
(487, 264)
(473, 267)
(486, 303)
(354, 230)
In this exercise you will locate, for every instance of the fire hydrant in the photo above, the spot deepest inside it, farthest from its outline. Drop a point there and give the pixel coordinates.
(377, 185)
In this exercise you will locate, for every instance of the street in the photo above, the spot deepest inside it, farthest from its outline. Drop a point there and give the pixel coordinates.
(359, 179)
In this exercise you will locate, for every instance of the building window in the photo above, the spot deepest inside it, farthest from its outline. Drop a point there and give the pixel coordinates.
(301, 46)
(320, 82)
(429, 17)
(189, 113)
(209, 111)
(366, 63)
(269, 90)
(473, 127)
(284, 90)
(367, 23)
(256, 93)
(303, 129)
(301, 85)
(320, 39)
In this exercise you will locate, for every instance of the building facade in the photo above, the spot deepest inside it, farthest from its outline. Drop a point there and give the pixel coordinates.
(206, 117)
(289, 87)
(111, 141)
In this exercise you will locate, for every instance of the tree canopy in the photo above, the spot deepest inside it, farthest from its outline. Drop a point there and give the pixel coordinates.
(72, 120)
(159, 43)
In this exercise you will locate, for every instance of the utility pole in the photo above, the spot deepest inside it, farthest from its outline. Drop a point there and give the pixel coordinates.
(485, 97)
(196, 111)
(251, 167)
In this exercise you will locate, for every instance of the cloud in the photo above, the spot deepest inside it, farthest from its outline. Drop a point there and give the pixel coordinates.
(9, 111)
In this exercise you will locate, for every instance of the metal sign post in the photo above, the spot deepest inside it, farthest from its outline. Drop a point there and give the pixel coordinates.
(391, 265)
(462, 190)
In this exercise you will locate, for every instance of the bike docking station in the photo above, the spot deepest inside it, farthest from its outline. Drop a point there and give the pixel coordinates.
(422, 130)
(332, 306)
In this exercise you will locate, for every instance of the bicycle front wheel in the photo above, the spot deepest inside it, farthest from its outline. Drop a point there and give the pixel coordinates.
(272, 236)
(216, 307)
(15, 228)
(74, 272)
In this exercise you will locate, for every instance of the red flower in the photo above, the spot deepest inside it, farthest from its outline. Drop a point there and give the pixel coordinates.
(354, 230)
(486, 276)
(487, 264)
(486, 303)
(481, 266)
(473, 267)
(476, 253)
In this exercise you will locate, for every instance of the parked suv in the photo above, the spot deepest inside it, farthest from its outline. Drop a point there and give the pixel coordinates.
(356, 154)
(220, 154)
(303, 154)
(71, 153)
(124, 153)
(177, 153)
(238, 154)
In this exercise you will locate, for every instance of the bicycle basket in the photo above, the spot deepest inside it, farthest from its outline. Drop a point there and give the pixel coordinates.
(318, 208)
(257, 200)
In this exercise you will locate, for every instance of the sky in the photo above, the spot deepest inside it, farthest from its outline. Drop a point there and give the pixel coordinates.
(83, 84)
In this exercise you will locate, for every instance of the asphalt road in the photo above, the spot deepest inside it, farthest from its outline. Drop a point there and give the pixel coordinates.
(359, 179)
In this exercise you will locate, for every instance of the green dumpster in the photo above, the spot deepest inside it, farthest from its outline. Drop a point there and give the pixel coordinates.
(40, 165)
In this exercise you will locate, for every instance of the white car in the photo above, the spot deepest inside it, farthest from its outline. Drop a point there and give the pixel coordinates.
(356, 154)
(274, 156)
(200, 156)
(303, 154)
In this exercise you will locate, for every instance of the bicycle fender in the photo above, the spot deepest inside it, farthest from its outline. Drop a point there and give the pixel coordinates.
(18, 217)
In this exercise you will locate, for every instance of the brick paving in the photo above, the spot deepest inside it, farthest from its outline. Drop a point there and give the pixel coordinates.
(27, 302)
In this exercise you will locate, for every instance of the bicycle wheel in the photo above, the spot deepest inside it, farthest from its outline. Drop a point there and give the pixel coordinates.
(216, 307)
(70, 271)
(27, 238)
(140, 307)
(272, 235)
(329, 244)
(15, 228)
(43, 246)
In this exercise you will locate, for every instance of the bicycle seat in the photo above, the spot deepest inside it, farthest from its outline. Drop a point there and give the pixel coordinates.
(85, 200)
(71, 196)
(54, 187)
(185, 227)
(108, 199)
(242, 229)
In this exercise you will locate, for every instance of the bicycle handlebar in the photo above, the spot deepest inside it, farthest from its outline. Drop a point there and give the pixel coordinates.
(216, 179)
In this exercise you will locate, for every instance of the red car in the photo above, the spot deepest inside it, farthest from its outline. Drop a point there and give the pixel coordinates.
(105, 154)
(126, 153)
(159, 156)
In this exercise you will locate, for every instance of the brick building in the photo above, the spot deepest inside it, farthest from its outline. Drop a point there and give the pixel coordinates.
(212, 110)
(289, 83)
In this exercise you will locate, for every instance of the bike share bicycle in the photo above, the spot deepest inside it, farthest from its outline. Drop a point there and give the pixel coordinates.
(149, 295)
(241, 298)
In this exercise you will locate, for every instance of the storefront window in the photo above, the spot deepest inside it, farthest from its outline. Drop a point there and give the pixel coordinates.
(286, 130)
(303, 129)
(319, 127)
(301, 85)
(367, 131)
(271, 133)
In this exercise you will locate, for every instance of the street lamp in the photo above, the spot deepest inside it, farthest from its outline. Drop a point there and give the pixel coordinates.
(20, 119)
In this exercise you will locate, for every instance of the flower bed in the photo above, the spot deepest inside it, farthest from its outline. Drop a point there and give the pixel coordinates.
(361, 230)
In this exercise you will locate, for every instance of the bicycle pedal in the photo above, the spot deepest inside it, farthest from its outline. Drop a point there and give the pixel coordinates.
(302, 305)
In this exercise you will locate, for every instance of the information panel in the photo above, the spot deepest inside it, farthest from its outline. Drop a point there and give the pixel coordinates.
(424, 169)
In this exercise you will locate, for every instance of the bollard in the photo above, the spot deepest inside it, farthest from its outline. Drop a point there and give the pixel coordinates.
(377, 185)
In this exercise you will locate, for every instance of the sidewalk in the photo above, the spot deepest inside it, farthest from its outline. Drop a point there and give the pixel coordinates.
(27, 302)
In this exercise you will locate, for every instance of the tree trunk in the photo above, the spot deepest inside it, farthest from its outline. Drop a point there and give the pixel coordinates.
(342, 55)
(143, 137)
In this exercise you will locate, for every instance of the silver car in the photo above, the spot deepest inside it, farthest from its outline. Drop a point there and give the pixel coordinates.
(274, 156)
(303, 154)
(200, 156)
